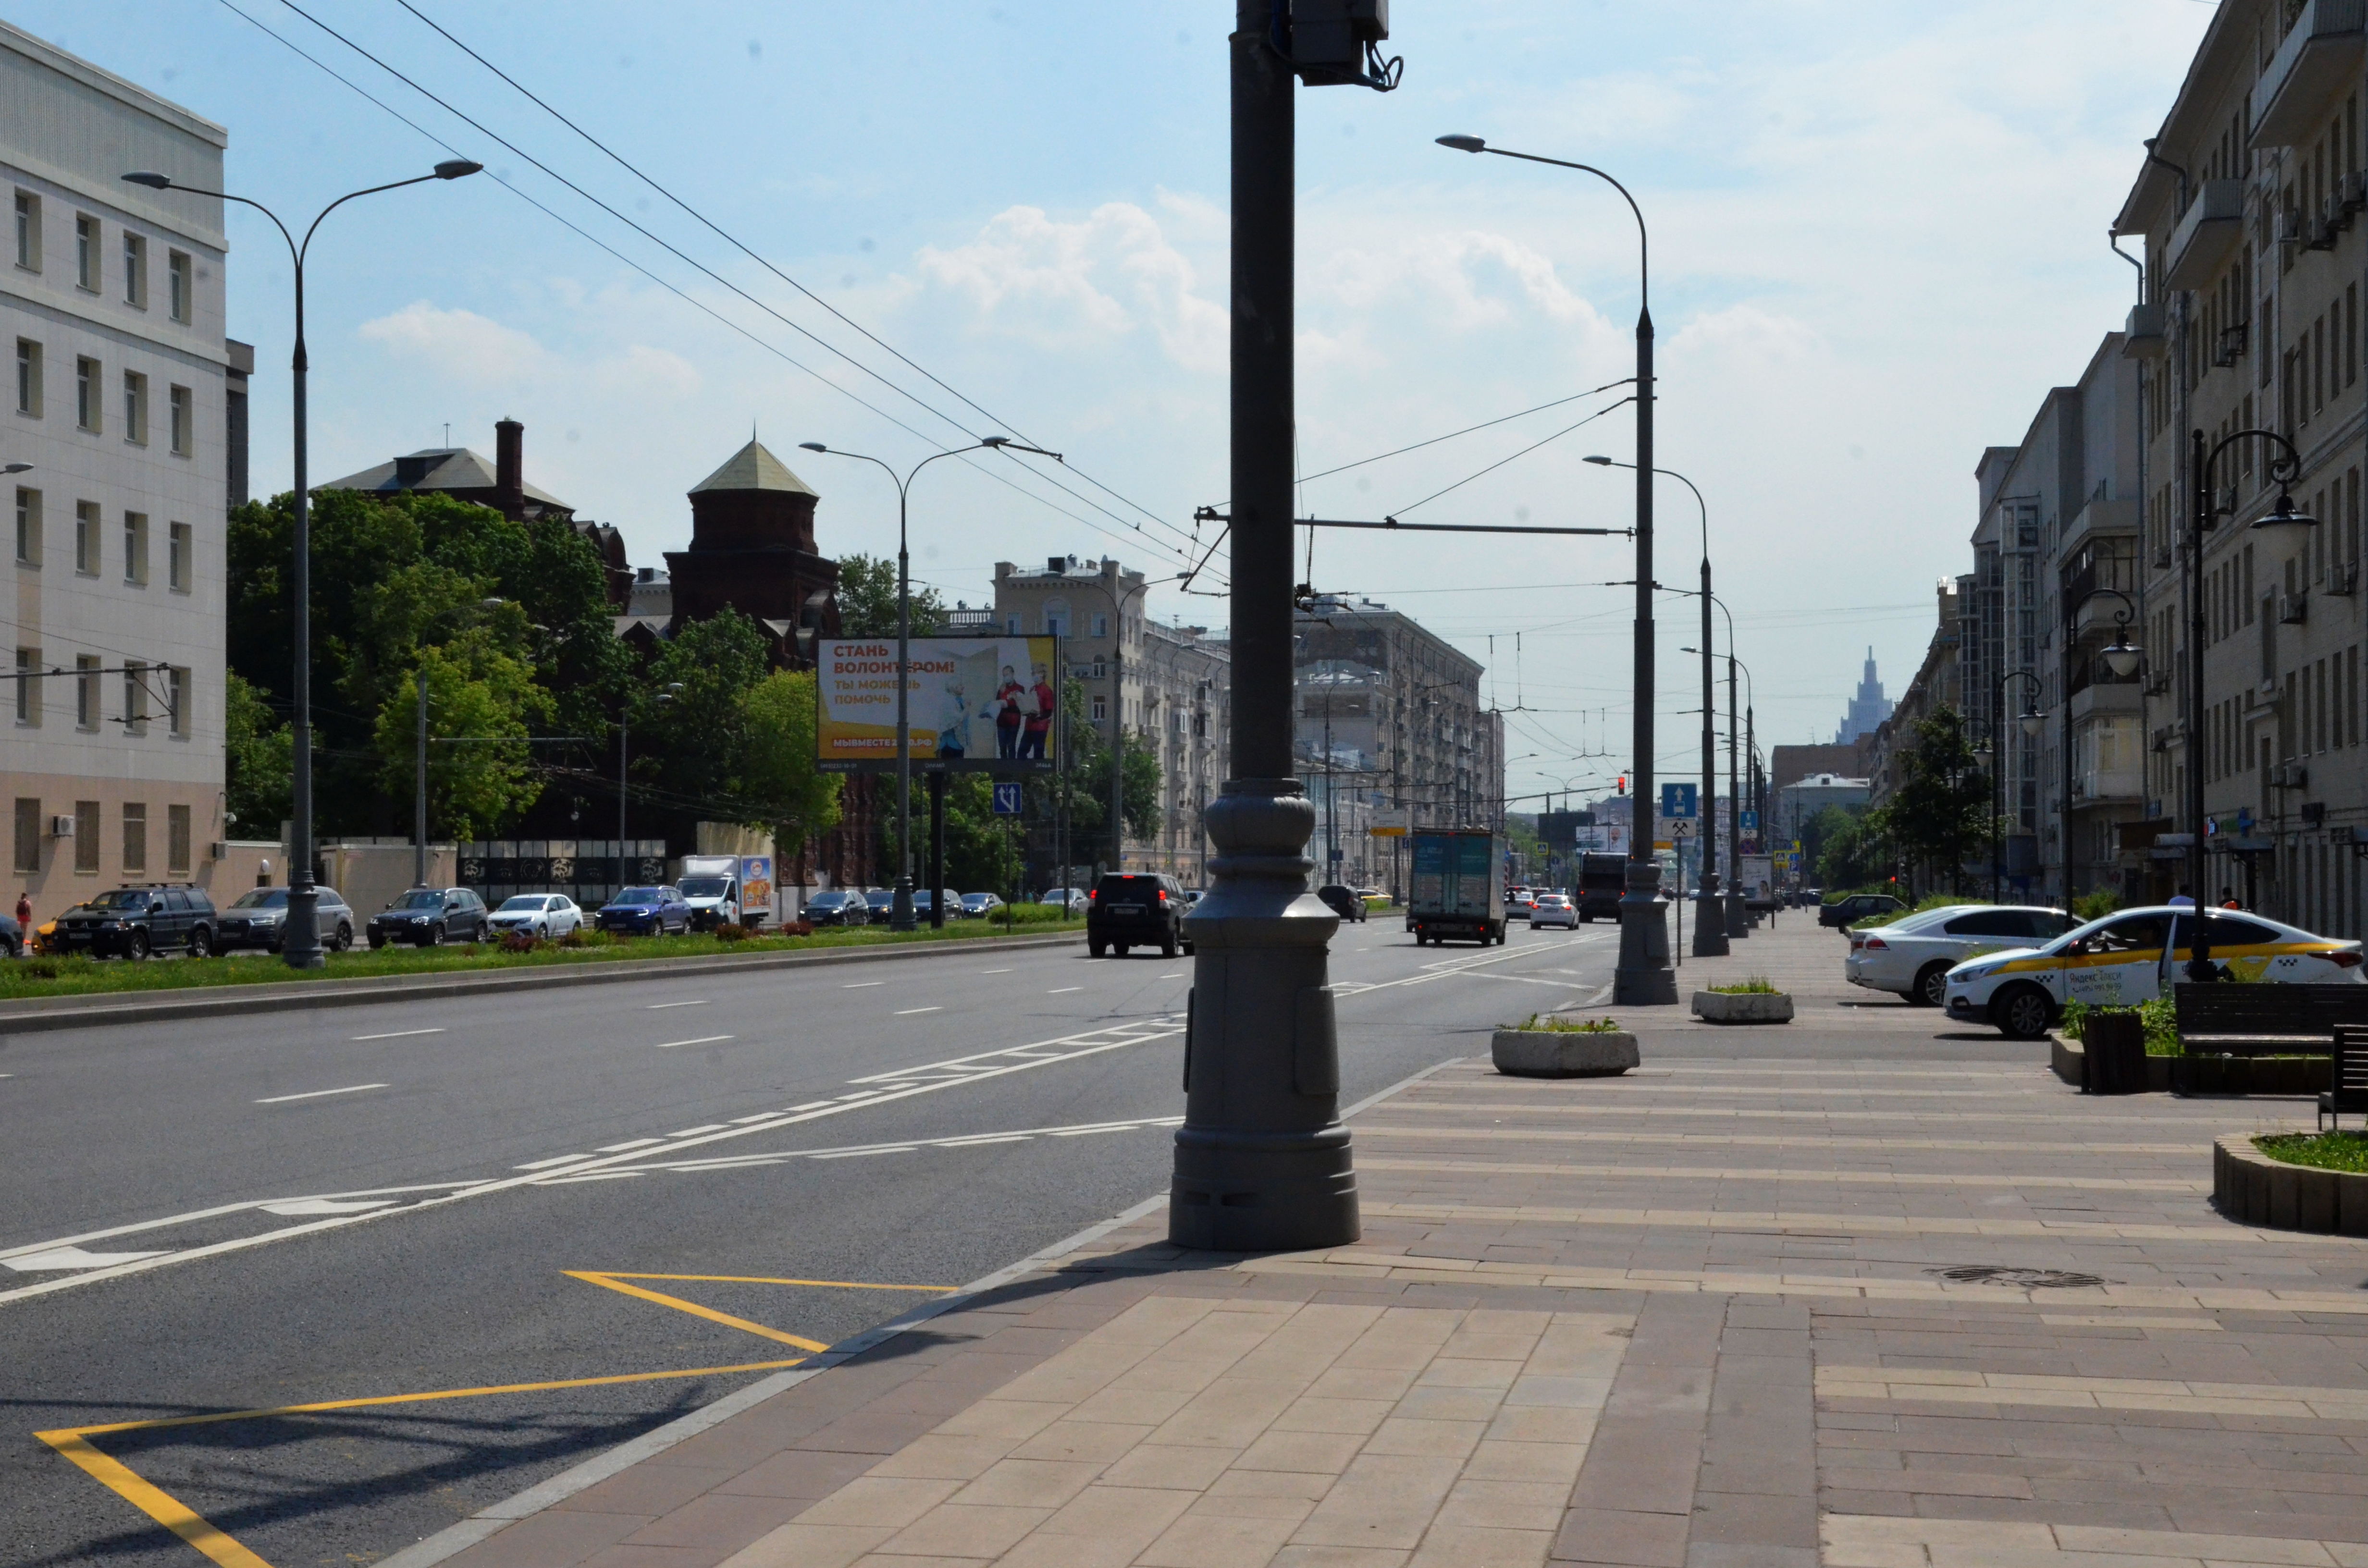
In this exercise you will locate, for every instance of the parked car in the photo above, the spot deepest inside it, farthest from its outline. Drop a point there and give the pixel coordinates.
(12, 935)
(134, 921)
(1136, 909)
(1913, 955)
(1554, 909)
(548, 915)
(258, 918)
(975, 906)
(1342, 901)
(1074, 897)
(1852, 908)
(644, 912)
(837, 906)
(2133, 956)
(429, 917)
(883, 902)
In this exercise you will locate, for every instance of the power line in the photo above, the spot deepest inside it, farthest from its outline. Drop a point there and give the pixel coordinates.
(1467, 430)
(1500, 463)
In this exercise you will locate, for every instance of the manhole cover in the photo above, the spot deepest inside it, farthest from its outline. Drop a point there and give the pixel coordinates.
(2019, 1279)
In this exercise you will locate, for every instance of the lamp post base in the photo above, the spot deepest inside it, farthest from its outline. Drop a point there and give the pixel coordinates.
(900, 907)
(1642, 977)
(1262, 1163)
(1710, 921)
(1739, 919)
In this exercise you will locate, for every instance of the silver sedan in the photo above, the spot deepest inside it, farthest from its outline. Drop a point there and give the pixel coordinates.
(1913, 955)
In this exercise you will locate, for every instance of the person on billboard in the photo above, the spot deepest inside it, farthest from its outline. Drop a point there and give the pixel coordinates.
(1009, 695)
(1037, 726)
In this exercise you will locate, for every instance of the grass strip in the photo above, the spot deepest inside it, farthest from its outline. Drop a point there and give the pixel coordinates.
(2326, 1151)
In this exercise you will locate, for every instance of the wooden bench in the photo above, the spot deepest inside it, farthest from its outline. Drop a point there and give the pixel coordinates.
(2233, 1018)
(2348, 1085)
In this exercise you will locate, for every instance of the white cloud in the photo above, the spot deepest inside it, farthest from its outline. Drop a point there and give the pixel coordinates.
(459, 344)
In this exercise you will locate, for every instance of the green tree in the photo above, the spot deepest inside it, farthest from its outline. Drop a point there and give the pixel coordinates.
(1825, 828)
(1853, 854)
(686, 752)
(1940, 815)
(980, 852)
(479, 703)
(867, 599)
(777, 781)
(259, 759)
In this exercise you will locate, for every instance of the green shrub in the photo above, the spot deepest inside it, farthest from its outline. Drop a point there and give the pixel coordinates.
(1757, 985)
(1546, 1023)
(2327, 1151)
(519, 942)
(2095, 905)
(2161, 1021)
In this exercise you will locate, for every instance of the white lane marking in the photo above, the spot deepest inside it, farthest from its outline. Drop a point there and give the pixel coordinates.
(760, 1115)
(300, 1208)
(630, 1143)
(587, 1175)
(546, 1165)
(811, 1105)
(908, 1012)
(661, 1007)
(398, 1034)
(994, 972)
(859, 1153)
(970, 1069)
(317, 1093)
(864, 985)
(72, 1257)
(703, 1039)
(1064, 991)
(1178, 975)
(961, 1141)
(200, 1215)
(695, 1131)
(1526, 980)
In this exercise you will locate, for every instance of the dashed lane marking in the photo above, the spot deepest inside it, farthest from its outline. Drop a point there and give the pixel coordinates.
(661, 1007)
(320, 1094)
(864, 985)
(703, 1039)
(696, 1131)
(994, 972)
(71, 1257)
(630, 1143)
(858, 1150)
(1064, 989)
(546, 1165)
(908, 1012)
(398, 1034)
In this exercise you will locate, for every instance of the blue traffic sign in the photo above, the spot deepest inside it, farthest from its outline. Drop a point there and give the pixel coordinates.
(1007, 800)
(1750, 821)
(1681, 800)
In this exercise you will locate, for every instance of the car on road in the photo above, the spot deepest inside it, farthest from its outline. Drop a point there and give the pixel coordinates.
(1136, 909)
(1852, 908)
(1342, 901)
(1912, 956)
(1074, 897)
(2136, 955)
(1554, 909)
(258, 918)
(647, 911)
(837, 906)
(429, 918)
(975, 906)
(12, 935)
(548, 915)
(134, 921)
(882, 901)
(1519, 902)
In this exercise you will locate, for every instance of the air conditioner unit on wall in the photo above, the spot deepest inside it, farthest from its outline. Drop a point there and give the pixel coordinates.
(2343, 577)
(62, 827)
(2294, 609)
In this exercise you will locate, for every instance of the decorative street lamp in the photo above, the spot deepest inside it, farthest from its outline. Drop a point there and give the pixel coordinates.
(301, 947)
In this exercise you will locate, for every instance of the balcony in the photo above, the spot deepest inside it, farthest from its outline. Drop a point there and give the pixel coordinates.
(2305, 79)
(2144, 337)
(2206, 234)
(2106, 699)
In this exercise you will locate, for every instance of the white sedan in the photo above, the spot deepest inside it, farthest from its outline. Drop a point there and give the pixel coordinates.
(548, 915)
(1554, 909)
(1912, 956)
(2136, 955)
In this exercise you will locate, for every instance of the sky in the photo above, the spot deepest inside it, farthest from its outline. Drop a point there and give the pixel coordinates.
(1878, 237)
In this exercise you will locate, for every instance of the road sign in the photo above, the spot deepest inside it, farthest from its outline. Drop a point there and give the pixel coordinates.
(1752, 822)
(1007, 800)
(1675, 827)
(1681, 800)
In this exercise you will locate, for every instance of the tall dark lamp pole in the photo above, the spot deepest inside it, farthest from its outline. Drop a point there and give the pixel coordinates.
(900, 912)
(2123, 658)
(2033, 722)
(2205, 515)
(301, 947)
(1642, 974)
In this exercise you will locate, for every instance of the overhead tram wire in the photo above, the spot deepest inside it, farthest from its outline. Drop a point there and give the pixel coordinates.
(689, 261)
(1468, 429)
(700, 305)
(1500, 463)
(735, 243)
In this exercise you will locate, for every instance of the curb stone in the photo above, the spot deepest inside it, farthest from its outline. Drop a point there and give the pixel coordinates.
(2248, 1185)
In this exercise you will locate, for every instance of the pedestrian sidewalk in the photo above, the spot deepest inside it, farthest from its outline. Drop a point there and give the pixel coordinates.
(1748, 1311)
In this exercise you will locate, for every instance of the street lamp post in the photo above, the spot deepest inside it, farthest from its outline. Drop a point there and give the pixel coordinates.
(2122, 659)
(900, 911)
(1642, 975)
(301, 947)
(2034, 721)
(2205, 515)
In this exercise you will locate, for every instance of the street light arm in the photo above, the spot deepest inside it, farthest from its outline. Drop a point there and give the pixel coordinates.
(293, 253)
(1644, 273)
(370, 190)
(2284, 469)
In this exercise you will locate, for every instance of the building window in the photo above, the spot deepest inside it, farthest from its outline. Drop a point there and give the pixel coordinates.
(176, 284)
(86, 694)
(1101, 624)
(28, 377)
(1102, 708)
(135, 270)
(86, 394)
(28, 231)
(181, 422)
(1056, 619)
(135, 836)
(176, 697)
(29, 833)
(135, 549)
(177, 557)
(86, 252)
(86, 538)
(1011, 625)
(176, 840)
(28, 527)
(28, 689)
(135, 696)
(135, 408)
(86, 835)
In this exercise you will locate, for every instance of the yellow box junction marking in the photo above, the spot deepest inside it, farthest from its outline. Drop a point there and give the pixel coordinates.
(72, 1442)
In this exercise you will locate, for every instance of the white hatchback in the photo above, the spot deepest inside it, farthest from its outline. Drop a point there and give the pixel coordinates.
(1912, 956)
(1554, 909)
(546, 915)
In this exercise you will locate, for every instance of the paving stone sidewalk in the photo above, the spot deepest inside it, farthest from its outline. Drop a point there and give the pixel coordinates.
(1913, 1305)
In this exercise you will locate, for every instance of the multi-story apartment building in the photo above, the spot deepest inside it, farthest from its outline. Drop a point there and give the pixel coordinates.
(111, 307)
(2255, 261)
(1167, 686)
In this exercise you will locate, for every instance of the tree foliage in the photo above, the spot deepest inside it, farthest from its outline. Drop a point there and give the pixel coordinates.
(777, 779)
(479, 703)
(867, 599)
(1940, 816)
(259, 761)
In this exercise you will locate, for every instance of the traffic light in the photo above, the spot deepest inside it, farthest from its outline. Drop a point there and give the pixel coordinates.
(1621, 784)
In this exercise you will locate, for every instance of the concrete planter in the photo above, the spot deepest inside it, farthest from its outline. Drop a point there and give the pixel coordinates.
(2250, 1074)
(1561, 1053)
(1743, 1007)
(2069, 1062)
(2248, 1185)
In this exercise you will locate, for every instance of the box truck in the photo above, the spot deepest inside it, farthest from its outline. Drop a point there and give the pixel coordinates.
(1459, 886)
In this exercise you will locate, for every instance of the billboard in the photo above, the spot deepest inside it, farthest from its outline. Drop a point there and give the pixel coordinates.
(981, 703)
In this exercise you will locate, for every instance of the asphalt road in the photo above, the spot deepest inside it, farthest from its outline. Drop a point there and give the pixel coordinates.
(359, 1203)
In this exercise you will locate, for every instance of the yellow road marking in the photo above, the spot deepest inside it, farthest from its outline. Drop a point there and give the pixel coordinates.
(695, 1309)
(759, 1279)
(159, 1505)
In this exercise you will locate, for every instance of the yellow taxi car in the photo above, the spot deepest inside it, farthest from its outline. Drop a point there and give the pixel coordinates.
(2136, 955)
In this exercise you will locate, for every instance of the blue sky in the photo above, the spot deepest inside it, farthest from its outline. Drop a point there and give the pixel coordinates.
(1878, 232)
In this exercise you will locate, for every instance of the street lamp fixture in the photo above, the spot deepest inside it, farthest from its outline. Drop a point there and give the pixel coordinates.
(16, 468)
(302, 949)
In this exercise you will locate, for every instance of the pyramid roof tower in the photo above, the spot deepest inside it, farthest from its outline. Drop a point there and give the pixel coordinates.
(753, 468)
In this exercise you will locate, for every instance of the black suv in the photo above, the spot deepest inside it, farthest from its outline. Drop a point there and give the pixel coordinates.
(431, 917)
(1849, 911)
(135, 922)
(1136, 909)
(1342, 901)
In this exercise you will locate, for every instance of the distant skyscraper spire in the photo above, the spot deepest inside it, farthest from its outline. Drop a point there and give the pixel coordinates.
(1867, 711)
